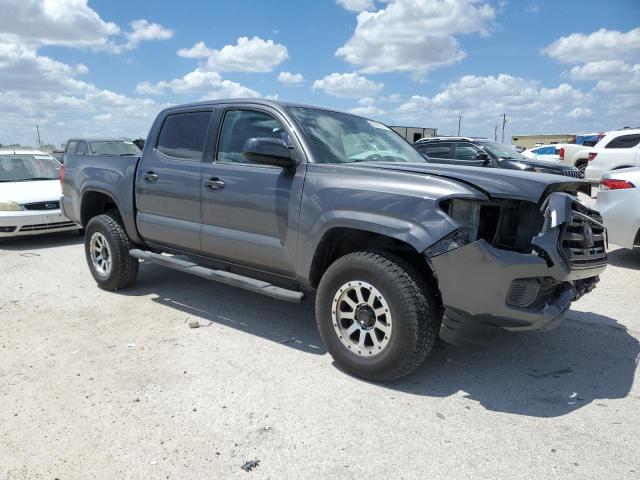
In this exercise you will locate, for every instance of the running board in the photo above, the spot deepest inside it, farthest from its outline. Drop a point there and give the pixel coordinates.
(222, 276)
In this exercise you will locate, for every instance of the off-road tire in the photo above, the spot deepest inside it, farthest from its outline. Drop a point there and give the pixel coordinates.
(124, 268)
(415, 307)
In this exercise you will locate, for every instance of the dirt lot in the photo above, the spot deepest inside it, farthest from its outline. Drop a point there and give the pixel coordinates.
(116, 385)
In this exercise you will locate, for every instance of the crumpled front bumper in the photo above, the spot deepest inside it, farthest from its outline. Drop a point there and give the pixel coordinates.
(479, 283)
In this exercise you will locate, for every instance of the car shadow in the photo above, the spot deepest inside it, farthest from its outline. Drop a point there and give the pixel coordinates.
(588, 358)
(624, 258)
(45, 240)
(281, 322)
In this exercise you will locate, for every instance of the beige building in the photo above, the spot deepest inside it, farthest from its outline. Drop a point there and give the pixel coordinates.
(413, 134)
(530, 141)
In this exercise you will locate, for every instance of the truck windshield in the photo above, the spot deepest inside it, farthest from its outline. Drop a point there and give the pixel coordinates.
(342, 138)
(114, 148)
(21, 168)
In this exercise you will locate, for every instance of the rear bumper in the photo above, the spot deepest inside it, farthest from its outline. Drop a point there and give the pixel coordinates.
(486, 290)
(34, 222)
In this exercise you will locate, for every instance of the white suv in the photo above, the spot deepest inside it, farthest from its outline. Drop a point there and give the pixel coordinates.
(617, 149)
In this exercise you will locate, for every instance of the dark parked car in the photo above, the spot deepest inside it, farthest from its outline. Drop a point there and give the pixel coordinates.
(482, 152)
(100, 146)
(283, 199)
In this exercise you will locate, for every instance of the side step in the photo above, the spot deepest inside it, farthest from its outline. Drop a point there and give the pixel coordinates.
(221, 276)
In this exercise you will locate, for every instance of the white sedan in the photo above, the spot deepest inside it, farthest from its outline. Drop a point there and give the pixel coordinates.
(30, 194)
(619, 204)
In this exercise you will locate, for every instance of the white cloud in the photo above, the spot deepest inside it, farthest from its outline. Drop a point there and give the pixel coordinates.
(70, 23)
(481, 100)
(144, 31)
(608, 58)
(415, 36)
(208, 83)
(356, 5)
(369, 111)
(580, 112)
(248, 55)
(601, 45)
(349, 85)
(533, 8)
(35, 88)
(599, 70)
(291, 79)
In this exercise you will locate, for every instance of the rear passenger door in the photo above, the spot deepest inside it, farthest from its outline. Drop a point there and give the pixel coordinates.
(168, 181)
(250, 211)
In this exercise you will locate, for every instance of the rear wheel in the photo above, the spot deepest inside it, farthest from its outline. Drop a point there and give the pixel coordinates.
(582, 166)
(374, 315)
(107, 250)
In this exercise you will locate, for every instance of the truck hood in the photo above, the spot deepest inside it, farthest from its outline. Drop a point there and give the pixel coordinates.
(493, 182)
(31, 191)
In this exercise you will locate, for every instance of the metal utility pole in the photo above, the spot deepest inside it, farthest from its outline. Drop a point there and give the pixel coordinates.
(495, 132)
(504, 122)
(459, 122)
(38, 130)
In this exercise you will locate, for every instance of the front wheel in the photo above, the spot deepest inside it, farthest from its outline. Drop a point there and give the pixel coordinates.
(375, 316)
(106, 246)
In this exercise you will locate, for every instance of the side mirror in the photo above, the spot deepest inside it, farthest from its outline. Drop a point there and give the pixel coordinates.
(271, 151)
(484, 157)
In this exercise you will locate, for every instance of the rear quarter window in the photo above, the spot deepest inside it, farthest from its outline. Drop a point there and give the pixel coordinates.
(183, 135)
(624, 141)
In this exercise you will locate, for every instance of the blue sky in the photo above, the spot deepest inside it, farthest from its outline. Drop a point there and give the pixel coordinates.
(552, 66)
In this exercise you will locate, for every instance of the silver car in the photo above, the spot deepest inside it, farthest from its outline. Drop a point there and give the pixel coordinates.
(619, 204)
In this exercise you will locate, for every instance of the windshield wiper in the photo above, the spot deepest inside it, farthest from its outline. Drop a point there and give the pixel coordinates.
(128, 154)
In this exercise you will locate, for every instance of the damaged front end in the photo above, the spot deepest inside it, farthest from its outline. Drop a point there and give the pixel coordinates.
(514, 265)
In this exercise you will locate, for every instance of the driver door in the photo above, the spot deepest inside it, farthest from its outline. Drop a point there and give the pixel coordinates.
(467, 154)
(250, 211)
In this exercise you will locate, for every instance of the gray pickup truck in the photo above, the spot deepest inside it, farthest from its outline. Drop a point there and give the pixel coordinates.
(284, 199)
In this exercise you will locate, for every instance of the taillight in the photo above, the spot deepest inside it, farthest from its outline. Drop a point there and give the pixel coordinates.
(62, 174)
(614, 184)
(592, 155)
(561, 154)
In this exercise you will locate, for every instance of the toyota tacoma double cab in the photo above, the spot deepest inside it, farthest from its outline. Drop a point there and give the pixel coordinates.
(286, 200)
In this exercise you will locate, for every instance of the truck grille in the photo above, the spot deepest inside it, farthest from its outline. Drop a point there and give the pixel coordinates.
(583, 238)
(53, 205)
(46, 226)
(571, 172)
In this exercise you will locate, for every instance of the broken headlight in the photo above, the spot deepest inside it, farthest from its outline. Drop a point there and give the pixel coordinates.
(466, 213)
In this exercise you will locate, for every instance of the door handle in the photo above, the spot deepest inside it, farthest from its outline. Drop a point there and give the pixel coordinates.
(214, 183)
(150, 177)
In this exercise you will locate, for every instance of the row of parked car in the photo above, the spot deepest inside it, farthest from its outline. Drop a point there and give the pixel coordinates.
(30, 185)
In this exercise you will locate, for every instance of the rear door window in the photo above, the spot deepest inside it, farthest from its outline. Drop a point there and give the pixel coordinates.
(624, 141)
(82, 149)
(183, 135)
(436, 150)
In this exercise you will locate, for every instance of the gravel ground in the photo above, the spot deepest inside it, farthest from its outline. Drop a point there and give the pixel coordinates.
(116, 385)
